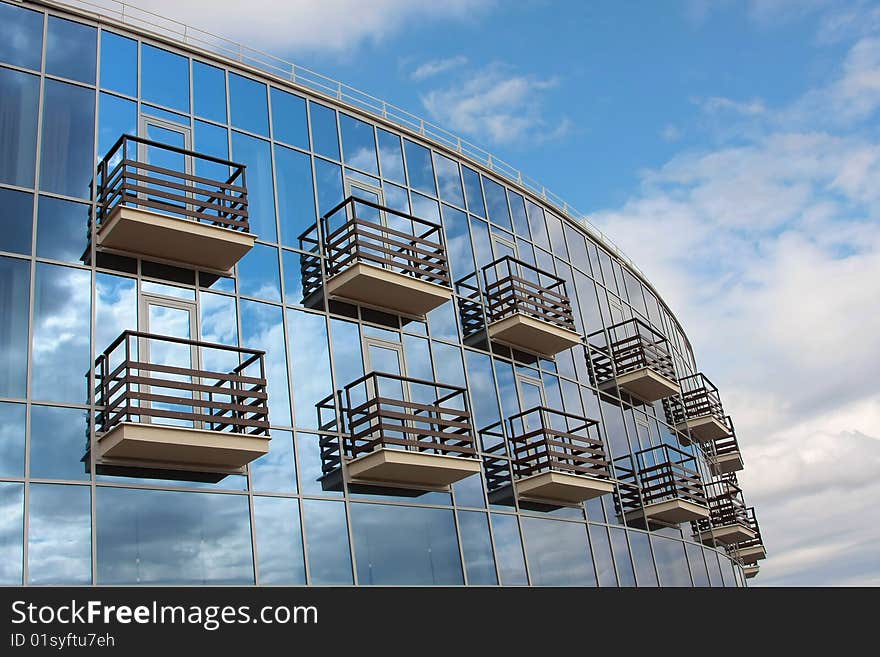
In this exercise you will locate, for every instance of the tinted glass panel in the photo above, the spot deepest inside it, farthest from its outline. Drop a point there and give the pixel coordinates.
(70, 50)
(18, 126)
(209, 92)
(258, 273)
(327, 541)
(116, 117)
(558, 553)
(310, 365)
(296, 196)
(118, 63)
(248, 105)
(279, 541)
(477, 548)
(262, 328)
(473, 191)
(68, 139)
(289, 122)
(18, 219)
(11, 440)
(61, 231)
(58, 442)
(449, 180)
(255, 154)
(496, 203)
(59, 535)
(164, 78)
(508, 548)
(390, 156)
(12, 528)
(14, 302)
(328, 177)
(325, 139)
(625, 573)
(419, 168)
(163, 537)
(602, 555)
(276, 472)
(21, 36)
(358, 144)
(671, 562)
(644, 564)
(697, 564)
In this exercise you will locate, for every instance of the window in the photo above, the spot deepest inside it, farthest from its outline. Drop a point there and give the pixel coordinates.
(21, 37)
(18, 125)
(209, 92)
(67, 141)
(248, 105)
(119, 63)
(164, 78)
(14, 305)
(70, 50)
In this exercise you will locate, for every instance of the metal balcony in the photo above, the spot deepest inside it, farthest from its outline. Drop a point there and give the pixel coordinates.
(728, 520)
(169, 404)
(724, 456)
(751, 550)
(381, 258)
(664, 487)
(635, 358)
(145, 210)
(698, 414)
(527, 308)
(407, 432)
(751, 571)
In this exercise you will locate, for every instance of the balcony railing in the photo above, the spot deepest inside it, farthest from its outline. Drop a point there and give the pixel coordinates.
(725, 457)
(699, 411)
(728, 520)
(750, 550)
(513, 287)
(635, 357)
(664, 484)
(126, 177)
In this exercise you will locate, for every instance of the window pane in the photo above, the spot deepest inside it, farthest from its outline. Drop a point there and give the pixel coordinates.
(71, 50)
(296, 195)
(289, 123)
(118, 63)
(602, 555)
(21, 37)
(18, 220)
(474, 192)
(518, 208)
(58, 442)
(537, 227)
(11, 440)
(162, 537)
(390, 156)
(116, 117)
(15, 279)
(209, 92)
(508, 548)
(62, 302)
(248, 105)
(477, 547)
(11, 529)
(482, 389)
(558, 553)
(671, 561)
(59, 535)
(644, 564)
(327, 541)
(255, 154)
(697, 564)
(115, 308)
(419, 168)
(275, 472)
(496, 203)
(310, 365)
(18, 126)
(625, 573)
(164, 78)
(262, 328)
(325, 140)
(61, 229)
(279, 541)
(328, 177)
(258, 273)
(359, 144)
(449, 179)
(68, 139)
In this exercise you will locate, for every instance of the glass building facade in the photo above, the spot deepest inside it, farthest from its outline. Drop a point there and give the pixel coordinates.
(71, 86)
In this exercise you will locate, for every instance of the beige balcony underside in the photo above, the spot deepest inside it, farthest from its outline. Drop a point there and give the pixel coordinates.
(154, 235)
(388, 290)
(550, 487)
(532, 335)
(702, 429)
(672, 511)
(750, 571)
(179, 448)
(726, 463)
(644, 383)
(726, 534)
(751, 555)
(397, 466)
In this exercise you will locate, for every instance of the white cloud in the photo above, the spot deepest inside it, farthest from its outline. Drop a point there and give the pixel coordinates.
(437, 66)
(769, 252)
(670, 132)
(721, 104)
(507, 107)
(305, 25)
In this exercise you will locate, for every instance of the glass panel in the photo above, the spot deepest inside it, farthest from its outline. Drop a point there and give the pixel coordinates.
(458, 243)
(697, 564)
(61, 231)
(68, 139)
(262, 328)
(327, 542)
(557, 239)
(279, 541)
(255, 154)
(310, 366)
(209, 92)
(71, 50)
(59, 437)
(18, 126)
(258, 274)
(390, 156)
(329, 181)
(21, 37)
(348, 364)
(296, 195)
(602, 555)
(289, 123)
(419, 168)
(12, 527)
(558, 553)
(496, 203)
(520, 220)
(625, 573)
(325, 140)
(644, 564)
(164, 78)
(449, 179)
(358, 144)
(59, 535)
(537, 227)
(217, 325)
(18, 221)
(11, 440)
(482, 243)
(116, 116)
(248, 104)
(671, 562)
(118, 63)
(509, 551)
(473, 191)
(448, 367)
(714, 569)
(308, 451)
(62, 303)
(14, 304)
(115, 309)
(477, 548)
(276, 471)
(405, 545)
(211, 140)
(469, 492)
(163, 537)
(482, 389)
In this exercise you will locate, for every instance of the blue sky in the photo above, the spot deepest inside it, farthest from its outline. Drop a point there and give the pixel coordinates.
(732, 148)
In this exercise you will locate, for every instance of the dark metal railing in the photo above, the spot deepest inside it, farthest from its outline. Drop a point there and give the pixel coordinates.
(752, 522)
(512, 286)
(726, 504)
(131, 388)
(389, 410)
(727, 444)
(658, 474)
(699, 398)
(389, 239)
(543, 439)
(126, 178)
(627, 347)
